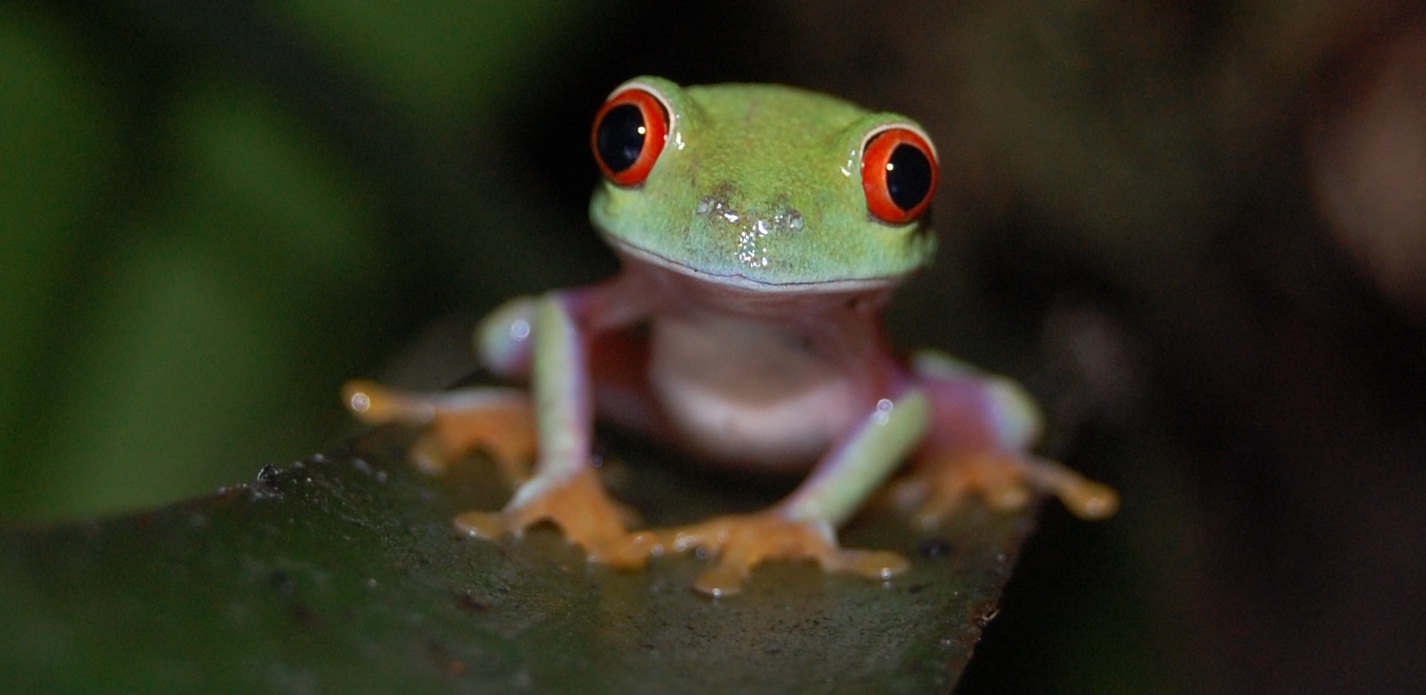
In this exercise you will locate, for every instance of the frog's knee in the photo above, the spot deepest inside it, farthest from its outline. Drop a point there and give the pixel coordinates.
(504, 337)
(1013, 412)
(1008, 407)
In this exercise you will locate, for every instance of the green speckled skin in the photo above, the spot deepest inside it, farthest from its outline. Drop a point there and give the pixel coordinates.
(741, 164)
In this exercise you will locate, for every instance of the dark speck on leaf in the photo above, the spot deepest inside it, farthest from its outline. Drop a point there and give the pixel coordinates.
(268, 475)
(470, 603)
(303, 614)
(282, 583)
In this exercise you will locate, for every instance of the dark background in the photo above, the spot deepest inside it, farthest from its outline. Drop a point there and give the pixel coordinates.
(1196, 229)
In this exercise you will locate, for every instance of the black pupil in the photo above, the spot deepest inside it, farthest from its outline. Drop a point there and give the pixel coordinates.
(908, 176)
(621, 137)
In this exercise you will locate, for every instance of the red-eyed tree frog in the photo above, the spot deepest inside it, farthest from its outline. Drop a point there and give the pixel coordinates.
(761, 230)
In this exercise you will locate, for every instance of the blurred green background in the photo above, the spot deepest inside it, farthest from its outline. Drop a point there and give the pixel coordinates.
(213, 213)
(217, 212)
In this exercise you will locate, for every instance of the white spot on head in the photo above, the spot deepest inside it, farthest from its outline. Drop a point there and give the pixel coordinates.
(851, 164)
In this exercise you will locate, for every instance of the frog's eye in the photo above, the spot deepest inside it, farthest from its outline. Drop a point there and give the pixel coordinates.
(899, 173)
(629, 134)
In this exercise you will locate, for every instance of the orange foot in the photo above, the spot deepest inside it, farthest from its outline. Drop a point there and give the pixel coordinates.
(578, 506)
(742, 542)
(497, 420)
(1007, 482)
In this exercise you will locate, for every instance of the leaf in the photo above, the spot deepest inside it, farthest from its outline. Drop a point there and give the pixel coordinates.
(343, 574)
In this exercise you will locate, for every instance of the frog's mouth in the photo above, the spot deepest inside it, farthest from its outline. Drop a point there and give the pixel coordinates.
(743, 282)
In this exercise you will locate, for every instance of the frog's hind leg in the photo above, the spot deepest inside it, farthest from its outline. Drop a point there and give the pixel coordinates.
(500, 421)
(497, 420)
(1006, 481)
(978, 446)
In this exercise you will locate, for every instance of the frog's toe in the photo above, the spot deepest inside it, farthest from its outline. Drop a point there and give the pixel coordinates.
(1084, 498)
(503, 427)
(577, 505)
(933, 493)
(740, 543)
(499, 421)
(376, 404)
(1004, 481)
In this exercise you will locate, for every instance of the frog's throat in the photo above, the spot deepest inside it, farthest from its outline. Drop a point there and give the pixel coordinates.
(745, 283)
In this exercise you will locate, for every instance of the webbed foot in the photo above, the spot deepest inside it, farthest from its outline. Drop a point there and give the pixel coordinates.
(1005, 481)
(499, 421)
(578, 505)
(741, 542)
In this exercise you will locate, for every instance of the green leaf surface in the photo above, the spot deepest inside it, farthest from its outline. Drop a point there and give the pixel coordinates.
(343, 574)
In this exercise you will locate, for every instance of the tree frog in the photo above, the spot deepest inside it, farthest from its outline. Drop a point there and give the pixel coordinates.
(761, 230)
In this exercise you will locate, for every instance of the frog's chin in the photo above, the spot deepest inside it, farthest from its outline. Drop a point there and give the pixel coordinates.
(738, 281)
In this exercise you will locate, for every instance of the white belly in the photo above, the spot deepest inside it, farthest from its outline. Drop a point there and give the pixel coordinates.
(748, 393)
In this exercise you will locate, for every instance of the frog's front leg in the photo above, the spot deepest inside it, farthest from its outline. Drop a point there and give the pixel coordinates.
(804, 525)
(982, 429)
(565, 489)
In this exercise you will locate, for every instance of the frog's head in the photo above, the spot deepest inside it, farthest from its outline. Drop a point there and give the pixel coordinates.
(763, 186)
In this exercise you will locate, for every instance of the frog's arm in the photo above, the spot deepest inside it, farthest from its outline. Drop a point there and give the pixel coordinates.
(861, 462)
(546, 339)
(500, 420)
(982, 429)
(803, 525)
(505, 338)
(565, 489)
